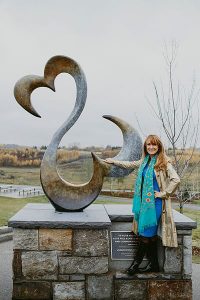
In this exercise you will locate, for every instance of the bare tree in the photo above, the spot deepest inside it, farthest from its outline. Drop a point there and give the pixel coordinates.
(175, 110)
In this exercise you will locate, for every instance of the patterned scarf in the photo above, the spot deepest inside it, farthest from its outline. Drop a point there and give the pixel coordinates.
(143, 200)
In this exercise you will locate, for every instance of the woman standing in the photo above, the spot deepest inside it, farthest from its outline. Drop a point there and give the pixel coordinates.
(155, 182)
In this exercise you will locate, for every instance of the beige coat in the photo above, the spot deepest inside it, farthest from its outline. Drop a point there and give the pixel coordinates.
(168, 182)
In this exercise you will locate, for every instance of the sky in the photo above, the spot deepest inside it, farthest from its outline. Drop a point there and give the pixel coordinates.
(119, 45)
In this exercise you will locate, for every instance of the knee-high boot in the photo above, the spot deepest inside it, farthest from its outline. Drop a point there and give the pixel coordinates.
(140, 253)
(152, 255)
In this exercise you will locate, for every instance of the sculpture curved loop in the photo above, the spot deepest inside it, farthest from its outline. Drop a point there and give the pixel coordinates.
(131, 149)
(63, 195)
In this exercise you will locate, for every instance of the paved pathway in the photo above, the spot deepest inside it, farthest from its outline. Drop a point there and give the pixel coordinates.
(6, 273)
(20, 191)
(6, 270)
(189, 206)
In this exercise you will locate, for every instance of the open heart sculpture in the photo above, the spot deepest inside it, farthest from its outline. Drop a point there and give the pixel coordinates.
(63, 195)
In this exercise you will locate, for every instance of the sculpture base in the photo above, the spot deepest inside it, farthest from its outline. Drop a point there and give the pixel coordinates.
(67, 256)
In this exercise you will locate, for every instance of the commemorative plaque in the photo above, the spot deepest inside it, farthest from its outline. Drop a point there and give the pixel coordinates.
(123, 245)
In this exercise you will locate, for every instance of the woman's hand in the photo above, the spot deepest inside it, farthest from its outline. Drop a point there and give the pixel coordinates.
(157, 194)
(109, 160)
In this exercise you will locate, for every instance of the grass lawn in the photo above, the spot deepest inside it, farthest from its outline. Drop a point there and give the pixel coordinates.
(196, 202)
(195, 216)
(196, 259)
(24, 176)
(9, 206)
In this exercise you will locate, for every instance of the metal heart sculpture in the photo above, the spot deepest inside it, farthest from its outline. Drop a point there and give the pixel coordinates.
(63, 195)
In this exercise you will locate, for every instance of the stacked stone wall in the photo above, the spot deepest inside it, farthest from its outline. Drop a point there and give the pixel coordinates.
(67, 256)
(61, 264)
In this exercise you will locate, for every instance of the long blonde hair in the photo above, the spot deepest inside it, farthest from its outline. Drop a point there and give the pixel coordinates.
(162, 159)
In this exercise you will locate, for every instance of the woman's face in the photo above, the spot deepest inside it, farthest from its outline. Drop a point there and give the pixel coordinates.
(152, 149)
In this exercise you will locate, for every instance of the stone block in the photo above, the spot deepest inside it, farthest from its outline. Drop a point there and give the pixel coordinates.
(170, 289)
(90, 242)
(187, 255)
(75, 277)
(32, 291)
(63, 277)
(40, 265)
(100, 287)
(184, 232)
(173, 260)
(83, 265)
(69, 290)
(25, 239)
(55, 239)
(180, 240)
(64, 253)
(147, 276)
(131, 289)
(17, 264)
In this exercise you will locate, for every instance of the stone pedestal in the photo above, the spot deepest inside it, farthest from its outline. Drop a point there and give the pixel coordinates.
(63, 256)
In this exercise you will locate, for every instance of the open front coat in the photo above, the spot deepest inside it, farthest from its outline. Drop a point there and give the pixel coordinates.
(168, 181)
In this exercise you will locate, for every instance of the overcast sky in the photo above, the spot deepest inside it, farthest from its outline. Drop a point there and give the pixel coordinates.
(119, 45)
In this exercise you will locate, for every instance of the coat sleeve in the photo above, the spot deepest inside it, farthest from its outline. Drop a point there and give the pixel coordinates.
(127, 164)
(174, 181)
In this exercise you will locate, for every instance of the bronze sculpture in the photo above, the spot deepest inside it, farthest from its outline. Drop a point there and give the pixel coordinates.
(63, 195)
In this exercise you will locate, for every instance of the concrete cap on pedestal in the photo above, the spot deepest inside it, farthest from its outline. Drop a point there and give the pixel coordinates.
(35, 215)
(123, 213)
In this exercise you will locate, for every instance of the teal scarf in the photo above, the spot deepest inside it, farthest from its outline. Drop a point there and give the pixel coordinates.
(143, 200)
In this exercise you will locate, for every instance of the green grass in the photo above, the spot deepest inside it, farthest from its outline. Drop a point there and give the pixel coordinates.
(10, 206)
(196, 259)
(24, 176)
(196, 202)
(195, 216)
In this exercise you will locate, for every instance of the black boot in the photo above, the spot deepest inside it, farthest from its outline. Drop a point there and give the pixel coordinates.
(152, 255)
(141, 251)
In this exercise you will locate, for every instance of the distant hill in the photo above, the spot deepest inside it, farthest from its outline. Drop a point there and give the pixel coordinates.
(12, 146)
